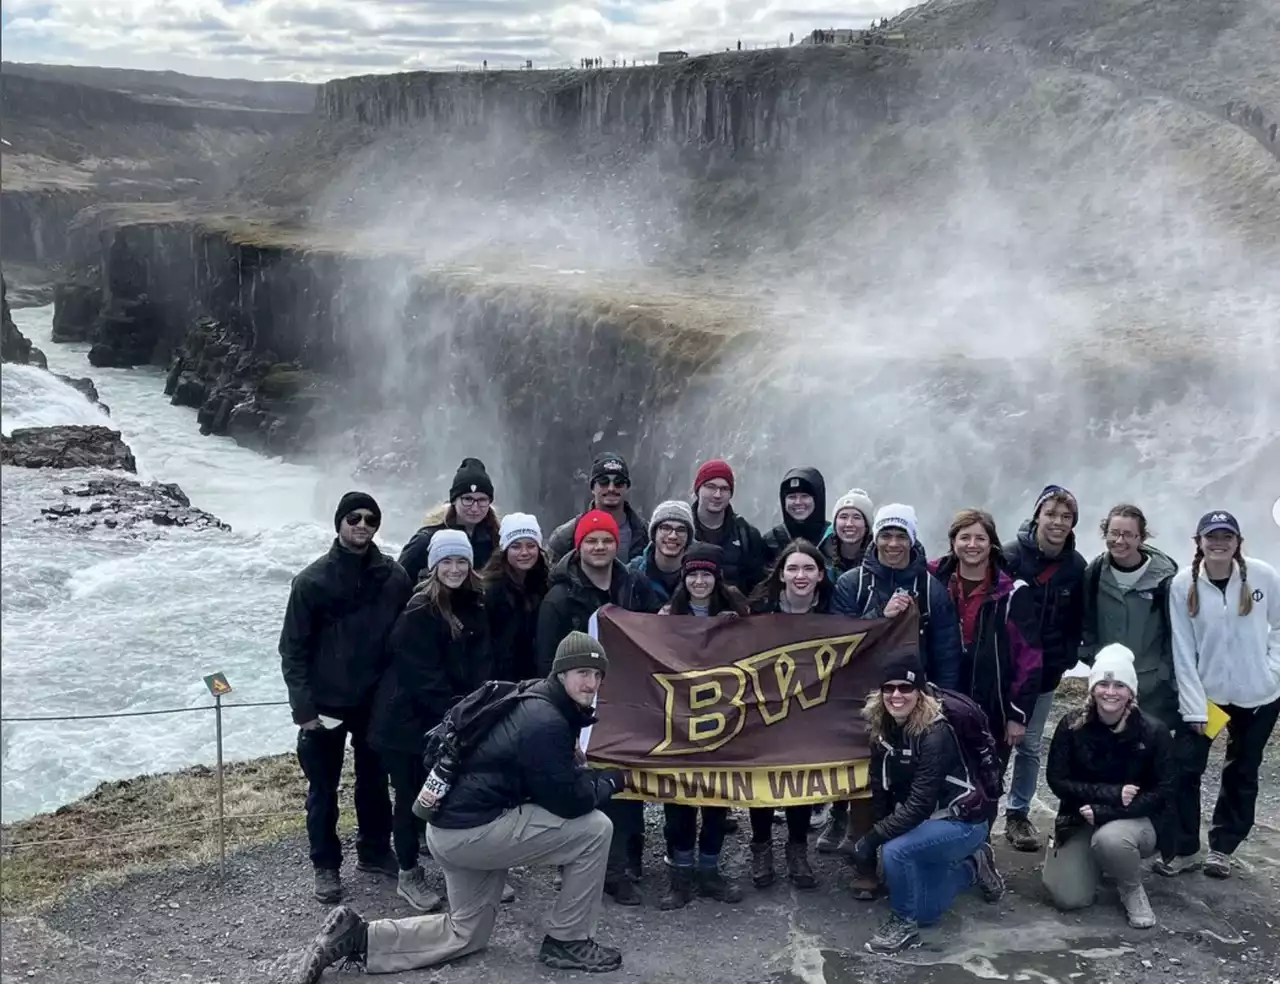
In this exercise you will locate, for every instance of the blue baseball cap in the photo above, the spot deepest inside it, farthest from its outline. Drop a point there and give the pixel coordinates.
(1217, 520)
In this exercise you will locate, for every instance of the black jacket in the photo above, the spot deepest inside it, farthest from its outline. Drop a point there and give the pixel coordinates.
(333, 642)
(560, 543)
(1090, 765)
(513, 629)
(745, 560)
(812, 529)
(572, 600)
(1056, 585)
(528, 757)
(909, 778)
(429, 670)
(413, 558)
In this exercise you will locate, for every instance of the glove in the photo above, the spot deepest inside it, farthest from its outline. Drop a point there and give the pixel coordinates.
(609, 781)
(864, 851)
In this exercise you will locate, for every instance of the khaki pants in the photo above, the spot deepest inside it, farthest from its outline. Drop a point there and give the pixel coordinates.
(475, 863)
(1072, 871)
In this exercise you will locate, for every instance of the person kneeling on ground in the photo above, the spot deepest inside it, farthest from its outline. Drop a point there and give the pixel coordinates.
(1112, 769)
(918, 776)
(529, 758)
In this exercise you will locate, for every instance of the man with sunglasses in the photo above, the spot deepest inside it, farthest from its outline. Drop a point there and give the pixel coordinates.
(332, 651)
(610, 482)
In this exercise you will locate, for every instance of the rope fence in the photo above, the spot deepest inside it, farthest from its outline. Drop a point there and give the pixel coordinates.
(218, 686)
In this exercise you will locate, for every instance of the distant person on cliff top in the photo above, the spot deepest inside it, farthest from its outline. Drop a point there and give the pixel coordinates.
(470, 509)
(745, 563)
(522, 797)
(802, 497)
(1044, 556)
(439, 653)
(333, 649)
(516, 579)
(670, 533)
(610, 484)
(847, 540)
(587, 578)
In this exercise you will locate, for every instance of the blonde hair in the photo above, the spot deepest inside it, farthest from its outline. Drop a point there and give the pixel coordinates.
(1245, 605)
(1090, 709)
(927, 708)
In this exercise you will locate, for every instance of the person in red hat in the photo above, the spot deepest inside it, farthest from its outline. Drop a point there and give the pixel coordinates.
(589, 576)
(744, 563)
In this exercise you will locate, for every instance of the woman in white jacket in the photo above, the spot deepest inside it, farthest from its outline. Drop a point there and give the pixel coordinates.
(1226, 649)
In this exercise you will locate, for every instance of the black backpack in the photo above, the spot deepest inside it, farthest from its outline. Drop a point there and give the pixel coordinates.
(469, 720)
(978, 752)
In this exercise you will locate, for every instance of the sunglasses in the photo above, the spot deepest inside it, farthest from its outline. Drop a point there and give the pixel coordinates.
(356, 518)
(612, 481)
(897, 688)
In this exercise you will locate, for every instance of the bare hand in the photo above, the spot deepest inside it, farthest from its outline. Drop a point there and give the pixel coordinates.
(1013, 732)
(1087, 813)
(1128, 793)
(310, 725)
(1196, 726)
(730, 614)
(898, 604)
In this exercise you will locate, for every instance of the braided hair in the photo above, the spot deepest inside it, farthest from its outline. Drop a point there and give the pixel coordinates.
(1245, 605)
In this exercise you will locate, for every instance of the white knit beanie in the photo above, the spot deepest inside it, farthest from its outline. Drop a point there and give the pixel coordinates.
(855, 499)
(448, 543)
(897, 515)
(1114, 662)
(671, 511)
(518, 526)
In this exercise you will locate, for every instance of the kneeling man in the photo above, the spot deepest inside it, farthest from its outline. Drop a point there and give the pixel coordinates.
(523, 798)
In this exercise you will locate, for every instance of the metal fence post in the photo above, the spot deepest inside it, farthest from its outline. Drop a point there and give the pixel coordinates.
(222, 827)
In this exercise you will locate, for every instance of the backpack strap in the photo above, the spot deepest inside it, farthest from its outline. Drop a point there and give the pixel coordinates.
(922, 590)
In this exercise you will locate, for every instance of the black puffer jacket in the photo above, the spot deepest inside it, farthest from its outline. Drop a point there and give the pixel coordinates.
(513, 628)
(812, 529)
(333, 645)
(572, 600)
(560, 543)
(527, 758)
(909, 778)
(1056, 586)
(484, 539)
(1089, 765)
(745, 561)
(430, 670)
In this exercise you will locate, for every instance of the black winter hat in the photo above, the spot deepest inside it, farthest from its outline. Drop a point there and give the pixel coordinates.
(904, 667)
(471, 477)
(609, 464)
(702, 557)
(351, 502)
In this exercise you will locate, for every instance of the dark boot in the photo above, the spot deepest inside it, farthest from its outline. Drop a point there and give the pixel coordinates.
(328, 886)
(866, 883)
(798, 868)
(622, 889)
(713, 885)
(587, 956)
(762, 864)
(1021, 833)
(679, 889)
(837, 828)
(344, 936)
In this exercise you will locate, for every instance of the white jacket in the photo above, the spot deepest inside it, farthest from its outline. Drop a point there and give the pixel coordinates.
(1221, 655)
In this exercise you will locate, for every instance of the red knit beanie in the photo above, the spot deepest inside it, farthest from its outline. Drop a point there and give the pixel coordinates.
(715, 468)
(594, 521)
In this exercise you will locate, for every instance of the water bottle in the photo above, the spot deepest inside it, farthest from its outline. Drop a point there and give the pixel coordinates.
(439, 781)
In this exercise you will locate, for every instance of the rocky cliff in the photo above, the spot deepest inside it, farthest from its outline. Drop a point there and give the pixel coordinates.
(15, 346)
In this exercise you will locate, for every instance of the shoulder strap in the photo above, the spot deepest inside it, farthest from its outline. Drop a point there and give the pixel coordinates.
(1095, 578)
(922, 589)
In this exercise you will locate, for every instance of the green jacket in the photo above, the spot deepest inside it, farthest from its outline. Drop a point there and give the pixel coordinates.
(1138, 618)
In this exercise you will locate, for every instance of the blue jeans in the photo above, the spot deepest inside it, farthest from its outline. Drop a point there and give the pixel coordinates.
(1026, 758)
(927, 867)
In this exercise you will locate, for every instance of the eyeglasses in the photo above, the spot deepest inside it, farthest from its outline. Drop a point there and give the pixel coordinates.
(715, 488)
(612, 481)
(897, 688)
(356, 518)
(1123, 535)
(668, 529)
(474, 501)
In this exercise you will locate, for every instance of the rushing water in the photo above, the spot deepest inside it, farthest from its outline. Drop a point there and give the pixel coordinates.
(105, 621)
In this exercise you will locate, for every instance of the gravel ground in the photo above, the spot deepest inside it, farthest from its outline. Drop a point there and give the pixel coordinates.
(180, 925)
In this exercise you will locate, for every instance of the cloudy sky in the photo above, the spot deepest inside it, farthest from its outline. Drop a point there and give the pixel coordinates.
(317, 39)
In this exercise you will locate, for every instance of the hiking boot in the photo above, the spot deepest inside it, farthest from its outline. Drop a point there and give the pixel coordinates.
(1217, 865)
(623, 890)
(895, 935)
(990, 881)
(380, 864)
(328, 887)
(713, 885)
(819, 816)
(508, 893)
(587, 956)
(411, 886)
(865, 886)
(762, 864)
(836, 831)
(799, 871)
(679, 889)
(1138, 906)
(1178, 865)
(1021, 833)
(344, 936)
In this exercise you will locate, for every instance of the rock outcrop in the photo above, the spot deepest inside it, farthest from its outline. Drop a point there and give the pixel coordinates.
(67, 446)
(76, 307)
(15, 346)
(127, 504)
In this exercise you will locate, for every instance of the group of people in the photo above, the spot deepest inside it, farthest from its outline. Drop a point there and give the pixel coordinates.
(378, 650)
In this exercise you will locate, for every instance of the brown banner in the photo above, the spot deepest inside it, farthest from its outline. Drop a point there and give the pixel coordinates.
(757, 711)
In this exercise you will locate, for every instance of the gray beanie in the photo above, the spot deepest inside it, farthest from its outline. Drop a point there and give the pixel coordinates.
(578, 651)
(671, 511)
(856, 499)
(448, 543)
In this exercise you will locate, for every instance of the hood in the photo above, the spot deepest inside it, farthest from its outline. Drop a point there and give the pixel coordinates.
(813, 528)
(917, 565)
(1030, 548)
(943, 567)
